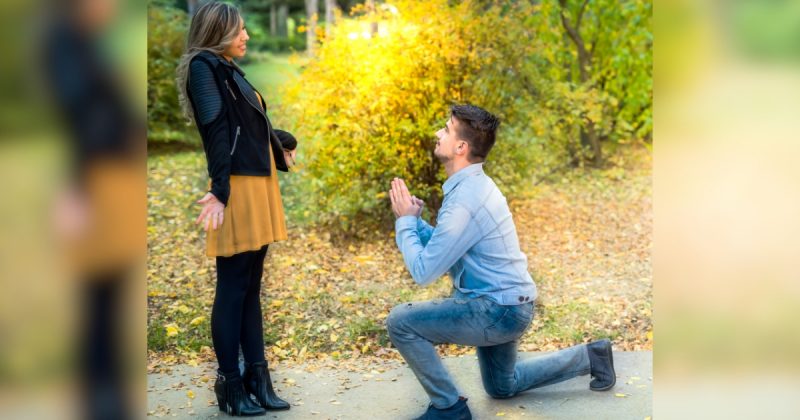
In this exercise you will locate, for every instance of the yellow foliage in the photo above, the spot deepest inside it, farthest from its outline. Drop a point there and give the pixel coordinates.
(369, 105)
(197, 321)
(172, 330)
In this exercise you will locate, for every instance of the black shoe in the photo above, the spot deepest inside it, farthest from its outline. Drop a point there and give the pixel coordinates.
(459, 411)
(602, 365)
(232, 398)
(258, 383)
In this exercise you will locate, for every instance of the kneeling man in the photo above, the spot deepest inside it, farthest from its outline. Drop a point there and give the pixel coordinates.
(492, 302)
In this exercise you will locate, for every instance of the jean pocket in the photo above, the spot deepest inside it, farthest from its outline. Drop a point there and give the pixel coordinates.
(508, 327)
(524, 312)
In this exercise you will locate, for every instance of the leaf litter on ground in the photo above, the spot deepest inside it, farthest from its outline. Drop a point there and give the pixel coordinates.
(587, 236)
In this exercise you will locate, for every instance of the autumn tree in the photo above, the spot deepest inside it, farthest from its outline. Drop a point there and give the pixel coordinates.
(564, 78)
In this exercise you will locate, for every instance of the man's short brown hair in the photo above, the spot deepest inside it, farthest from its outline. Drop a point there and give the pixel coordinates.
(477, 127)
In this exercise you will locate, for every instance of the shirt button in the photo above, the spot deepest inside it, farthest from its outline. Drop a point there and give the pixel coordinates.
(521, 299)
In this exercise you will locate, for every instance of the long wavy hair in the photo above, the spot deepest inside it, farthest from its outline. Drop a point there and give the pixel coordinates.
(214, 27)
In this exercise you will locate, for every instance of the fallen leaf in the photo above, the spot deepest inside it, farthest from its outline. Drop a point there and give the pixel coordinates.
(172, 330)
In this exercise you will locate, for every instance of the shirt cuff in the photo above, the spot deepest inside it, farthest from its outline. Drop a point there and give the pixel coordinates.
(405, 222)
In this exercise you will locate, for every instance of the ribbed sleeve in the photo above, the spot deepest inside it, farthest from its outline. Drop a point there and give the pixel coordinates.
(205, 93)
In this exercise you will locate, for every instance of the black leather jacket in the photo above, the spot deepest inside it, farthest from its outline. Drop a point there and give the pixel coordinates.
(234, 126)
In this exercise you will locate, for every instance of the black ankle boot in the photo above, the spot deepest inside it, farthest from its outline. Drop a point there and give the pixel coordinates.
(258, 383)
(602, 365)
(232, 398)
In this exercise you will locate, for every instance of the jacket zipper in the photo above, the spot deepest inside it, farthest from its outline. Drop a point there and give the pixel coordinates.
(230, 90)
(260, 111)
(236, 139)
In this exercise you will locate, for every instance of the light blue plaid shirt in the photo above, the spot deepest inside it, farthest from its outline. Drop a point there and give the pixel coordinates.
(475, 240)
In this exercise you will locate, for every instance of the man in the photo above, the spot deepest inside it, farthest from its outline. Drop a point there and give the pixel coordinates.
(492, 303)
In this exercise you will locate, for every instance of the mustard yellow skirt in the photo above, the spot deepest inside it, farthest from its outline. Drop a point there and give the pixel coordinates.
(253, 217)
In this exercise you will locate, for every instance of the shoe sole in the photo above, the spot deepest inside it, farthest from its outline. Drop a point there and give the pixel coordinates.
(224, 410)
(277, 409)
(605, 388)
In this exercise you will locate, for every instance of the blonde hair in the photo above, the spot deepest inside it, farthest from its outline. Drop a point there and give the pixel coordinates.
(214, 27)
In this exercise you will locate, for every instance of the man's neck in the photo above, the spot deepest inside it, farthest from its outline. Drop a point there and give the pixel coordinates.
(455, 165)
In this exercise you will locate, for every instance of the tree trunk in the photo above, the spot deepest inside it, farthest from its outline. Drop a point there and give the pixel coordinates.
(273, 20)
(330, 6)
(590, 140)
(312, 9)
(588, 134)
(373, 26)
(283, 15)
(191, 7)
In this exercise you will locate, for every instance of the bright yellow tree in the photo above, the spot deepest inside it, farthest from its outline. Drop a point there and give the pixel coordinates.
(369, 104)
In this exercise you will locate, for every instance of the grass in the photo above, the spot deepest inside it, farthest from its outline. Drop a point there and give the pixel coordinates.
(269, 72)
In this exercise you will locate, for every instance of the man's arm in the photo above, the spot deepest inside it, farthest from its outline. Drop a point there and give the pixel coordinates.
(424, 230)
(449, 241)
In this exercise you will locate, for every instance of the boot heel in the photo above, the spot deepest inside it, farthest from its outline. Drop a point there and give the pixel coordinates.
(222, 404)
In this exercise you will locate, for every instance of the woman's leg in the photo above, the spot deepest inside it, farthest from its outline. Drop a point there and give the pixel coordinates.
(256, 376)
(233, 280)
(252, 335)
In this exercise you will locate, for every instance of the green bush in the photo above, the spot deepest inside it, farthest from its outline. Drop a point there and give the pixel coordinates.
(166, 35)
(277, 44)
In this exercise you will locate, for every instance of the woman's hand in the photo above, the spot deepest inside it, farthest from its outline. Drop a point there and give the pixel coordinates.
(289, 156)
(212, 213)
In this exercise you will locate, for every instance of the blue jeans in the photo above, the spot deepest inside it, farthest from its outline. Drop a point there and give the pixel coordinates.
(494, 329)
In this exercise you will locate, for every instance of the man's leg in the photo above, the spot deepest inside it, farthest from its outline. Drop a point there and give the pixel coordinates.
(504, 377)
(415, 327)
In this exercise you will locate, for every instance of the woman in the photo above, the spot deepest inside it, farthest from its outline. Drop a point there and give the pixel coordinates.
(242, 212)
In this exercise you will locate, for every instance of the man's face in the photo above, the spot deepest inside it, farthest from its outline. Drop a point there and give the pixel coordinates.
(448, 142)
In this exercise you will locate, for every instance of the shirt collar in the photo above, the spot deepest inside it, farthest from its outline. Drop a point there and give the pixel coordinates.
(461, 175)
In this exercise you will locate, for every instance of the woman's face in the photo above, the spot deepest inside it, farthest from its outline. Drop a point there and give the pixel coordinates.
(238, 46)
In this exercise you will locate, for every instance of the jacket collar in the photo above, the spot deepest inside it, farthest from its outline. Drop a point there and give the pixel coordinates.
(223, 61)
(456, 178)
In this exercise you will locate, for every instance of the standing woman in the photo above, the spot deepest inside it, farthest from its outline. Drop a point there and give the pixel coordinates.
(242, 212)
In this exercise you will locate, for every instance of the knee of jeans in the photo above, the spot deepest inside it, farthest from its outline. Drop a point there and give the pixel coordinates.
(499, 392)
(395, 317)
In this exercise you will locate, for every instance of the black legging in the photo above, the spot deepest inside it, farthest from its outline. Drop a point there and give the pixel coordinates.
(236, 316)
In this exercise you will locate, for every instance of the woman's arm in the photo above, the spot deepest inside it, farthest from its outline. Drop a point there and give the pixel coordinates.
(289, 144)
(207, 100)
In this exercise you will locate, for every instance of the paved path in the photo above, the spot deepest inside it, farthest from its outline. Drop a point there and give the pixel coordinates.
(394, 393)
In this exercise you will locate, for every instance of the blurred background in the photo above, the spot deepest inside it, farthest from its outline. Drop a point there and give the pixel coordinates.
(73, 130)
(726, 204)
